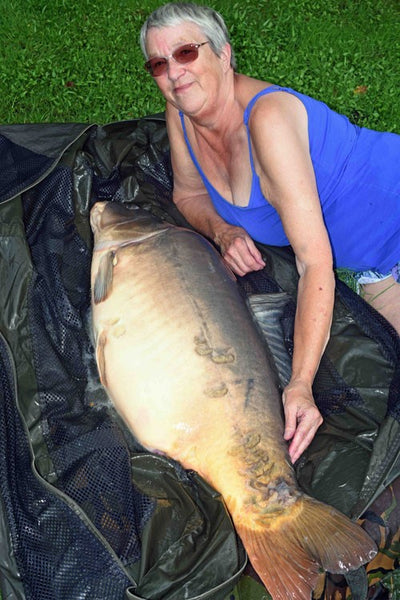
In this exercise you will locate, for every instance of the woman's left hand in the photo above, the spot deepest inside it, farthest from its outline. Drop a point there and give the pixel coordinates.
(302, 417)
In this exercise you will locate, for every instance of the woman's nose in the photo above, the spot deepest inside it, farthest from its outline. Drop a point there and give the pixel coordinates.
(175, 69)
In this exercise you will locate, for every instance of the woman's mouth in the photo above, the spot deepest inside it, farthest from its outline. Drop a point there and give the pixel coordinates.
(182, 87)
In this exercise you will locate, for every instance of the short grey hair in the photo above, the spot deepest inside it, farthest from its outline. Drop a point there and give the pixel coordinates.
(174, 13)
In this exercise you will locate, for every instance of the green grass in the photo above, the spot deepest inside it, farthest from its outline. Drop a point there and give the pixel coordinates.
(79, 60)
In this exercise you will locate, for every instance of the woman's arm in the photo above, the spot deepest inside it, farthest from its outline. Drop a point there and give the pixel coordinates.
(193, 201)
(279, 132)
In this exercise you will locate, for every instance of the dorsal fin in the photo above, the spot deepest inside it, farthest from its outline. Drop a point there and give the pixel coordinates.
(104, 277)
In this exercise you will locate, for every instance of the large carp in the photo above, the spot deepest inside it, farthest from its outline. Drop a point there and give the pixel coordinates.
(185, 366)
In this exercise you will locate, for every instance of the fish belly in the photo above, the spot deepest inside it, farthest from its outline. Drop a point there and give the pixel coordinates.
(185, 366)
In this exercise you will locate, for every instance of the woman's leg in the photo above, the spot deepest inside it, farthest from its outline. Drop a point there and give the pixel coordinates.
(384, 296)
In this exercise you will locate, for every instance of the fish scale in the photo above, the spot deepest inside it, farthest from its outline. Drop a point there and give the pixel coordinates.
(184, 364)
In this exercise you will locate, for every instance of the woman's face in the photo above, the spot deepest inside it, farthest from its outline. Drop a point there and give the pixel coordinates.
(194, 86)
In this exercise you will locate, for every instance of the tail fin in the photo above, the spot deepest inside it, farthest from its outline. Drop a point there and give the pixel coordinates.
(289, 552)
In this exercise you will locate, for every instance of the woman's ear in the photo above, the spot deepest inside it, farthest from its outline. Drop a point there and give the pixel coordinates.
(225, 56)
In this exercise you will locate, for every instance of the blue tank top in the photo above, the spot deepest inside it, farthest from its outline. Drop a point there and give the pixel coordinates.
(357, 172)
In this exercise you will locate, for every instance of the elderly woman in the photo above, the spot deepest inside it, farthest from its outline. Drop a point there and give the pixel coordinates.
(256, 161)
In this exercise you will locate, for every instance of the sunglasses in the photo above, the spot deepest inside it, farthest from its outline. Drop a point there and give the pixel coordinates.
(183, 55)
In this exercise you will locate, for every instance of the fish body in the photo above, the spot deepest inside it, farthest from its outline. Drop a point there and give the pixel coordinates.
(185, 366)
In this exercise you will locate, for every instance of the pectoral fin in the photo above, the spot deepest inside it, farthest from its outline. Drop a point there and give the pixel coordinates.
(100, 359)
(104, 277)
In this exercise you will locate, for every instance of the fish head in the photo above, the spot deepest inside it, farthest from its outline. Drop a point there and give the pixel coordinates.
(117, 228)
(118, 223)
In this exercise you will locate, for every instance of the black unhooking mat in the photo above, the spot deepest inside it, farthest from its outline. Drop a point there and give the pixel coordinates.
(86, 513)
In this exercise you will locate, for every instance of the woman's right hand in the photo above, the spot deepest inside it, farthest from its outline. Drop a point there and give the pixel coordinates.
(238, 250)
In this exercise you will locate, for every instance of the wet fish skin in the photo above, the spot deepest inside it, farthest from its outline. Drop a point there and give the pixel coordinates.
(184, 364)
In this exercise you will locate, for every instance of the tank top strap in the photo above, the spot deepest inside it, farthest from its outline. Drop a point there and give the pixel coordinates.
(268, 90)
(189, 147)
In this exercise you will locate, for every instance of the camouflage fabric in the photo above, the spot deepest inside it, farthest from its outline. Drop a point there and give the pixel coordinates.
(382, 521)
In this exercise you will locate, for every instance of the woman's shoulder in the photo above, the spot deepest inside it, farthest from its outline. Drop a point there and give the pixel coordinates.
(266, 111)
(255, 96)
(171, 112)
(246, 88)
(173, 120)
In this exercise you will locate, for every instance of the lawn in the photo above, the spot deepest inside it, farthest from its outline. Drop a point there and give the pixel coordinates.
(79, 60)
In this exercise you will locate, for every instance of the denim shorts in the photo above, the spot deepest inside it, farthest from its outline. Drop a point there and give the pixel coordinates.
(374, 276)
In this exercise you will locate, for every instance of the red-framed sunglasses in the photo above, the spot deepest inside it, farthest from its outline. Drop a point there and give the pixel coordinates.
(187, 53)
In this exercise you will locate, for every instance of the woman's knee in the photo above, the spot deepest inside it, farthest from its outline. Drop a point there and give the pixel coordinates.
(384, 296)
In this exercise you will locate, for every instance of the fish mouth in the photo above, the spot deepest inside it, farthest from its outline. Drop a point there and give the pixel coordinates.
(116, 224)
(95, 215)
(105, 213)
